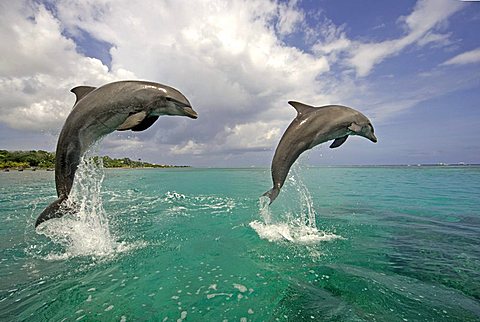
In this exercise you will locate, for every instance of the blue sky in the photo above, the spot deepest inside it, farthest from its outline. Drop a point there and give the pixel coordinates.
(413, 67)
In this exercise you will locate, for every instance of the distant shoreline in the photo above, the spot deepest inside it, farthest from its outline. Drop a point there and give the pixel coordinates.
(265, 168)
(124, 168)
(42, 160)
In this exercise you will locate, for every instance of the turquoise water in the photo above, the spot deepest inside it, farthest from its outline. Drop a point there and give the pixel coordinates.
(339, 244)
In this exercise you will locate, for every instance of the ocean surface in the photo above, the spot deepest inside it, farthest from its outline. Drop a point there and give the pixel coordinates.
(339, 244)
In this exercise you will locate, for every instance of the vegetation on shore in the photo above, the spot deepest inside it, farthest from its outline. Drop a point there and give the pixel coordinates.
(46, 160)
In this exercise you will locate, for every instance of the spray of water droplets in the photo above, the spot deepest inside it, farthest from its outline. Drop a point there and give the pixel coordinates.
(296, 228)
(84, 229)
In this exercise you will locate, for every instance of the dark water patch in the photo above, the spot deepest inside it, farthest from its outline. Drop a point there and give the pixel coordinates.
(443, 255)
(304, 302)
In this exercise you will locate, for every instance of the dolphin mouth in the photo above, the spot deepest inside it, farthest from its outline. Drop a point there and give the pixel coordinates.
(373, 138)
(190, 112)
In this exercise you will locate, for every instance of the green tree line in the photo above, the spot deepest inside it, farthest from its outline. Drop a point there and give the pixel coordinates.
(44, 160)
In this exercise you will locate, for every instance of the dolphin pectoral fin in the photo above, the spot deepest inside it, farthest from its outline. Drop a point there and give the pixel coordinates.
(300, 107)
(132, 121)
(81, 91)
(52, 211)
(338, 142)
(145, 124)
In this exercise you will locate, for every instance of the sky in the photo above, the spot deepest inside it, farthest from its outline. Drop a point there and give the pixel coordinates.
(412, 67)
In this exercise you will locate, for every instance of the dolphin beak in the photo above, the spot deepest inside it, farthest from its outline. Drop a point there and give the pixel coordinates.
(373, 138)
(190, 112)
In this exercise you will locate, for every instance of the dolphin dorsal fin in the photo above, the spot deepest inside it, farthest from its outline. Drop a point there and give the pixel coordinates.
(81, 91)
(300, 107)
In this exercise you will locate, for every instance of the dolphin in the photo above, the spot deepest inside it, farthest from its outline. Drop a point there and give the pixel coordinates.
(121, 106)
(312, 126)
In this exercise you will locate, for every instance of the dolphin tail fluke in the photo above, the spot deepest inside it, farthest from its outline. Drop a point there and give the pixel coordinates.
(52, 211)
(272, 194)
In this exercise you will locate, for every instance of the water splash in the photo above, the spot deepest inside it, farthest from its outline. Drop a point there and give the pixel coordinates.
(300, 229)
(84, 229)
(307, 212)
(265, 210)
(291, 232)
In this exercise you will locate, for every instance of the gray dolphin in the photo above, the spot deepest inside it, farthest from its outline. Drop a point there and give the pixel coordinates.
(124, 105)
(312, 126)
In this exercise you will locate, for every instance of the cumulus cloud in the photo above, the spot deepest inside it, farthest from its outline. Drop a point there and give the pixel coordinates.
(469, 57)
(248, 137)
(227, 57)
(289, 17)
(38, 66)
(190, 147)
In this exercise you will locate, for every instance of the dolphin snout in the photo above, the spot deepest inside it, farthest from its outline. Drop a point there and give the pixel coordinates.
(190, 112)
(373, 138)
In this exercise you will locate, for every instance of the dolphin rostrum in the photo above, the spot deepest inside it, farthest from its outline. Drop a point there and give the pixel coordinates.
(312, 126)
(123, 105)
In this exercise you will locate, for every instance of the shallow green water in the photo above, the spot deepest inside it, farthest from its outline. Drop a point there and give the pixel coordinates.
(384, 244)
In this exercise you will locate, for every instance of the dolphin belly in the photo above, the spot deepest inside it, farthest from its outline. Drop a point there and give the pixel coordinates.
(285, 156)
(68, 154)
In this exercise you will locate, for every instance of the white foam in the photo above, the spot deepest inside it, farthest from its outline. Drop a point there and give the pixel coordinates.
(211, 296)
(183, 316)
(291, 233)
(300, 229)
(84, 231)
(240, 287)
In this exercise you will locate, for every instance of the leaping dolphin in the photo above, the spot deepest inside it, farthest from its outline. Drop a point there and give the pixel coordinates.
(312, 126)
(124, 105)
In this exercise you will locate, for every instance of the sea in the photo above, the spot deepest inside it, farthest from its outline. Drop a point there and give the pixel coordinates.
(380, 243)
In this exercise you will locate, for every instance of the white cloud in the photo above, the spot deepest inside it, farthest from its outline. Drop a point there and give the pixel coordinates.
(426, 15)
(227, 57)
(190, 147)
(329, 38)
(289, 17)
(39, 66)
(438, 40)
(121, 144)
(419, 28)
(469, 57)
(254, 136)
